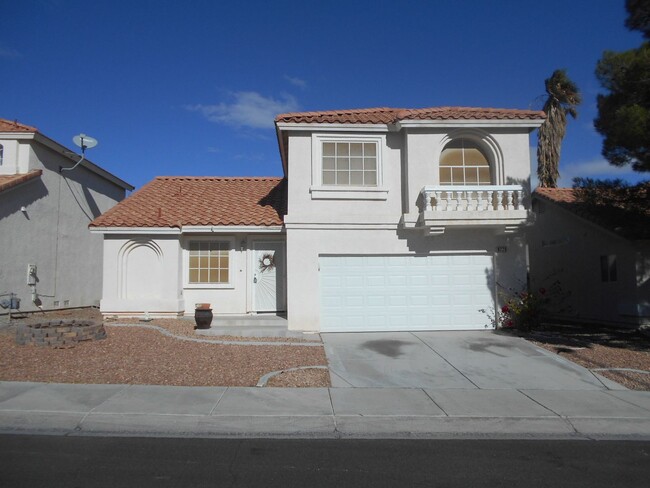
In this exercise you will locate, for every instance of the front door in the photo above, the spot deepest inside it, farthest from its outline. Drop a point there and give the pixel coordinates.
(269, 276)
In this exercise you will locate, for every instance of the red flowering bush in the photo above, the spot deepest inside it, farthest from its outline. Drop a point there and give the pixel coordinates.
(524, 309)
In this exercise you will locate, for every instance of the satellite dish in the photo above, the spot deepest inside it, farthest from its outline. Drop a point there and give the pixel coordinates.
(84, 141)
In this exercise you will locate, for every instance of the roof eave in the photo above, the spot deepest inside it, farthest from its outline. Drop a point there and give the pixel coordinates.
(339, 127)
(30, 177)
(187, 229)
(134, 230)
(86, 163)
(501, 123)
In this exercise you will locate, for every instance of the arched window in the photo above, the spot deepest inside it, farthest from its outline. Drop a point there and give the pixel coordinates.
(462, 162)
(2, 153)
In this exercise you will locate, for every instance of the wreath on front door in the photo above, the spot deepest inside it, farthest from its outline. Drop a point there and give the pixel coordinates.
(267, 262)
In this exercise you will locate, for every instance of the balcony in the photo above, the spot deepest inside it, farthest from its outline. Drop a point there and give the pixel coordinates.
(499, 206)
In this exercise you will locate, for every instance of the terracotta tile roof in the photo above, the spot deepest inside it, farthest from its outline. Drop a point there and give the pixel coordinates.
(625, 211)
(175, 201)
(385, 115)
(15, 126)
(9, 181)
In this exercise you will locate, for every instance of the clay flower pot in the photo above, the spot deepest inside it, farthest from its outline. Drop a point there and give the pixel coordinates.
(203, 315)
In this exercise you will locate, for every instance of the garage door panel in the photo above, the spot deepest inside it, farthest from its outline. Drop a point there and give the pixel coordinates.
(366, 293)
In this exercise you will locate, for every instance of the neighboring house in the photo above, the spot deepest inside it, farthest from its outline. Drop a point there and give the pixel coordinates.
(393, 220)
(599, 253)
(49, 259)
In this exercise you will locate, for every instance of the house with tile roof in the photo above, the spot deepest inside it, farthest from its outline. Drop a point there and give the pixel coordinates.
(386, 219)
(49, 258)
(597, 249)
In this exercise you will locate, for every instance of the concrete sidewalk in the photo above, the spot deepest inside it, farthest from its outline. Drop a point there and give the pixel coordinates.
(138, 410)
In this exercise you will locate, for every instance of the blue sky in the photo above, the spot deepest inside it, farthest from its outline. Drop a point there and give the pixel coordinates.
(191, 88)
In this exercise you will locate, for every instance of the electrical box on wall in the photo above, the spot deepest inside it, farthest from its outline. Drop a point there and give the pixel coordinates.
(31, 274)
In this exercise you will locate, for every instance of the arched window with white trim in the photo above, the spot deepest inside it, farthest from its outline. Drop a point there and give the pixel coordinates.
(463, 162)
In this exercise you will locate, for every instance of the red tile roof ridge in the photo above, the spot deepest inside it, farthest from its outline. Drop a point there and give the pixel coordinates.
(341, 111)
(387, 115)
(222, 178)
(15, 126)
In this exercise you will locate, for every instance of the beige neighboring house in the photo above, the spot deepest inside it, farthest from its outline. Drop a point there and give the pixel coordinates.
(387, 220)
(599, 253)
(48, 258)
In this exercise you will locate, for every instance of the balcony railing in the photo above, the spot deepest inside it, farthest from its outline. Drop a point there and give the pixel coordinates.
(447, 206)
(481, 198)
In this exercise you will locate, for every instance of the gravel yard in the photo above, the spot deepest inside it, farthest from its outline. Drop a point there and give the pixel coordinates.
(134, 355)
(600, 349)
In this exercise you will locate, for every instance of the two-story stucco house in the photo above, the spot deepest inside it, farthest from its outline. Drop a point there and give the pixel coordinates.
(48, 258)
(387, 219)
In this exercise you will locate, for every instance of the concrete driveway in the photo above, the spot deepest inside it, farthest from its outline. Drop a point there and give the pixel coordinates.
(451, 360)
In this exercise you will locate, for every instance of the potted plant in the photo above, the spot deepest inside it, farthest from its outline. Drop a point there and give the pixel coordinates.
(203, 315)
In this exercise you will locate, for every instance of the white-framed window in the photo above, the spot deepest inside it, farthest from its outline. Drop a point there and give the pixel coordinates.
(209, 262)
(2, 154)
(463, 162)
(347, 166)
(608, 271)
(349, 163)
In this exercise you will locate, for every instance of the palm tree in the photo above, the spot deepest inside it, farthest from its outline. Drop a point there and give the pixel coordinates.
(563, 98)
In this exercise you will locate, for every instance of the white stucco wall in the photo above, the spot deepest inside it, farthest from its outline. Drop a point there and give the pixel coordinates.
(359, 226)
(52, 233)
(142, 273)
(149, 273)
(567, 248)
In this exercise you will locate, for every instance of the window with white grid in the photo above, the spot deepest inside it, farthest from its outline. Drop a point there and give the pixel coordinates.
(462, 162)
(209, 262)
(349, 163)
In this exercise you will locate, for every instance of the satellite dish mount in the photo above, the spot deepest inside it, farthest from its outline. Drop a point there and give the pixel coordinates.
(84, 142)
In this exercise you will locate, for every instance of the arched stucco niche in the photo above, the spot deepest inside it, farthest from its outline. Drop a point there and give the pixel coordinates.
(140, 270)
(485, 142)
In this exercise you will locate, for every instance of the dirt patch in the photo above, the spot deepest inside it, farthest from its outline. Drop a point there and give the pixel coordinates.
(132, 355)
(596, 348)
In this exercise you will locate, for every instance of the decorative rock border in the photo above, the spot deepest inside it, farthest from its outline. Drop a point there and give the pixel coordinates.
(59, 333)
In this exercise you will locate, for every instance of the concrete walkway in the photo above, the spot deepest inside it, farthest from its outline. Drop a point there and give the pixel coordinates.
(119, 410)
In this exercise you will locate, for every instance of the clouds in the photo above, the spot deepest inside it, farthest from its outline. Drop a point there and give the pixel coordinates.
(594, 168)
(8, 53)
(247, 109)
(296, 81)
(598, 168)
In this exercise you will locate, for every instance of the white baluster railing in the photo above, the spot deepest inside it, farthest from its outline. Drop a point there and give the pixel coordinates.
(481, 198)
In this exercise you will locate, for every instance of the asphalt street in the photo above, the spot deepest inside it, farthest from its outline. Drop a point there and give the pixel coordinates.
(91, 462)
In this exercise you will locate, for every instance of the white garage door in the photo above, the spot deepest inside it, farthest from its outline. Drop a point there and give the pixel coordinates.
(391, 293)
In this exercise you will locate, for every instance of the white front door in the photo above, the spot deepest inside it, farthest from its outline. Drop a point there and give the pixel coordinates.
(269, 276)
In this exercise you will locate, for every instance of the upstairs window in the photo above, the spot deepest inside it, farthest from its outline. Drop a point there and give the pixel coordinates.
(349, 163)
(462, 162)
(2, 151)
